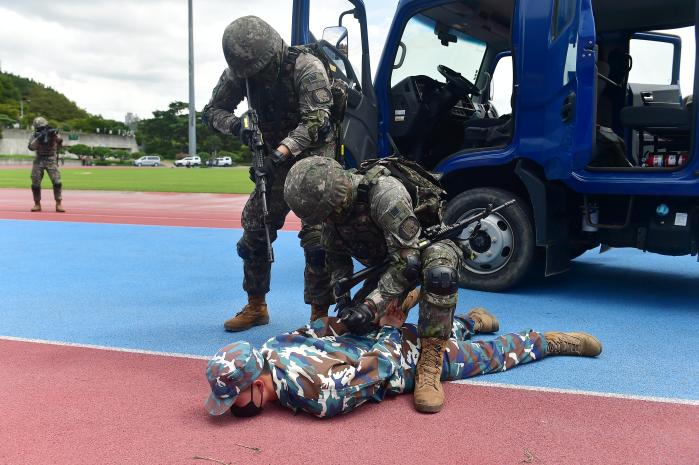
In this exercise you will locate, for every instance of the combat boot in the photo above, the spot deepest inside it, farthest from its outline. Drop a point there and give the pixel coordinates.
(318, 311)
(485, 322)
(59, 207)
(560, 343)
(410, 300)
(253, 314)
(429, 395)
(36, 207)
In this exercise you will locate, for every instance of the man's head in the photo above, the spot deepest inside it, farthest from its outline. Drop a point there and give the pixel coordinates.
(232, 372)
(252, 48)
(318, 189)
(39, 122)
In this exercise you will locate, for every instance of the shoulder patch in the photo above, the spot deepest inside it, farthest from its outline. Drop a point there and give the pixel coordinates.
(408, 228)
(322, 96)
(310, 86)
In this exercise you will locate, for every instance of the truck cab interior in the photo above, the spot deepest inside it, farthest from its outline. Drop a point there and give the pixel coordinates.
(639, 100)
(442, 94)
(441, 81)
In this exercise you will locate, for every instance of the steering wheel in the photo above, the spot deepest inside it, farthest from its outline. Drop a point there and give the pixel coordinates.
(458, 81)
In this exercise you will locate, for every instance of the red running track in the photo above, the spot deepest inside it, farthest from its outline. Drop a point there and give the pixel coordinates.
(146, 208)
(74, 405)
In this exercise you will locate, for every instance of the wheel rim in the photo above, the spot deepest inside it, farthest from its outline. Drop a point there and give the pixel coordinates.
(493, 245)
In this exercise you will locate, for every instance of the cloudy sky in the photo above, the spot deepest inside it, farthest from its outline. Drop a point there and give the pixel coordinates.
(115, 57)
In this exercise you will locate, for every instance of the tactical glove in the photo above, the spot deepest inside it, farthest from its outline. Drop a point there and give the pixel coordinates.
(270, 164)
(358, 318)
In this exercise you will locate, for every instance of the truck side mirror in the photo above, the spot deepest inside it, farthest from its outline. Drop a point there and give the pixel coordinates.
(337, 37)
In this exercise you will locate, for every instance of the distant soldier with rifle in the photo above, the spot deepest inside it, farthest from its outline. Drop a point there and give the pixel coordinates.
(46, 143)
(387, 216)
(292, 114)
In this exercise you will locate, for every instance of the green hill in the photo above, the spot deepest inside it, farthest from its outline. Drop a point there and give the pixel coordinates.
(45, 101)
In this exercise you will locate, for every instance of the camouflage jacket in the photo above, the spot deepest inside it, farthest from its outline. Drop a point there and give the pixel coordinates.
(322, 370)
(381, 225)
(294, 110)
(47, 150)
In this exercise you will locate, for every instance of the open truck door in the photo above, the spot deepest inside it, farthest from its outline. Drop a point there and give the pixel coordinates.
(345, 43)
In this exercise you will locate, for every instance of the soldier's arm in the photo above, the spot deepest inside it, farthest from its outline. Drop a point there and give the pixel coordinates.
(315, 100)
(338, 262)
(392, 210)
(59, 142)
(225, 98)
(33, 142)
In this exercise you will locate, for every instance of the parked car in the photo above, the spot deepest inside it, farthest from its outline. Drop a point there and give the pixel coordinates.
(222, 161)
(189, 161)
(148, 160)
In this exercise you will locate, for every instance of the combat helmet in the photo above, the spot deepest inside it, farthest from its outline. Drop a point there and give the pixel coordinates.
(250, 45)
(40, 122)
(234, 368)
(317, 187)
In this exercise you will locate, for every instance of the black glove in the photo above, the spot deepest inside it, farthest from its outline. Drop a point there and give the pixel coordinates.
(270, 164)
(358, 318)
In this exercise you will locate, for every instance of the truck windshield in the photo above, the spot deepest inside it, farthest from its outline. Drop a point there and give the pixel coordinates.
(424, 52)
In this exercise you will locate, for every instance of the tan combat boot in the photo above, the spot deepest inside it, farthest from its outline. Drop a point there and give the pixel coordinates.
(410, 300)
(318, 311)
(36, 207)
(253, 314)
(485, 321)
(429, 396)
(59, 207)
(560, 343)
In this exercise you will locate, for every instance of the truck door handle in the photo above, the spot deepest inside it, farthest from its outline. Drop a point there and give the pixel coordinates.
(568, 108)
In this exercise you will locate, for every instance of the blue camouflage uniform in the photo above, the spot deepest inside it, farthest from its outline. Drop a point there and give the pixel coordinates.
(324, 370)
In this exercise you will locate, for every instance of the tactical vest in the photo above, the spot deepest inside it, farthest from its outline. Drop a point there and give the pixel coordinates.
(361, 237)
(277, 103)
(47, 150)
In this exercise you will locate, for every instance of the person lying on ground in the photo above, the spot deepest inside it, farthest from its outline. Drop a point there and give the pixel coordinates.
(324, 370)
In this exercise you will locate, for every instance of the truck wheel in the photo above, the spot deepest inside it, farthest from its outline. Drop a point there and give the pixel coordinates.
(505, 245)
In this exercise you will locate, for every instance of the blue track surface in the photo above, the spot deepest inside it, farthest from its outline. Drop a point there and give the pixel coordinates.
(170, 289)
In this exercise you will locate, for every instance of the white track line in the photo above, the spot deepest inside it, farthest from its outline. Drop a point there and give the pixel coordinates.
(112, 349)
(667, 400)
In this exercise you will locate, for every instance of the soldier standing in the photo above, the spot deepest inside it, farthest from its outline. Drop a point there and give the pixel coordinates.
(291, 92)
(46, 143)
(321, 370)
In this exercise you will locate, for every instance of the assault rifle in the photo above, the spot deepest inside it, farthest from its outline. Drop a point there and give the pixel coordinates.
(430, 236)
(258, 149)
(44, 133)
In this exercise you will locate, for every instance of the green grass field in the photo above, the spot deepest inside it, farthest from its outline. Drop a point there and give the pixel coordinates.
(213, 180)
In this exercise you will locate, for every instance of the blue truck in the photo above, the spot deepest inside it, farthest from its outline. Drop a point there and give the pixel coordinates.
(571, 107)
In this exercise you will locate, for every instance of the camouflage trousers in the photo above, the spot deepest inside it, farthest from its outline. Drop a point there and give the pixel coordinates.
(464, 358)
(252, 247)
(437, 305)
(49, 165)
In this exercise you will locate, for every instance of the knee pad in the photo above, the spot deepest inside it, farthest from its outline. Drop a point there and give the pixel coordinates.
(315, 256)
(58, 185)
(441, 280)
(36, 187)
(411, 272)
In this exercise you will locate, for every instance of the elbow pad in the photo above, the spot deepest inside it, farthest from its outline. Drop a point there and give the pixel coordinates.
(412, 262)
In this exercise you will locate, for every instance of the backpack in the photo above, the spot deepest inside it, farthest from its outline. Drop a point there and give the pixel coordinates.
(424, 188)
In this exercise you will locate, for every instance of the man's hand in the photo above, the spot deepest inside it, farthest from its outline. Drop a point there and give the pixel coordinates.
(358, 318)
(394, 315)
(270, 164)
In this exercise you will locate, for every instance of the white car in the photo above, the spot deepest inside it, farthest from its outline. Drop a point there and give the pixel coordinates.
(223, 161)
(148, 160)
(189, 161)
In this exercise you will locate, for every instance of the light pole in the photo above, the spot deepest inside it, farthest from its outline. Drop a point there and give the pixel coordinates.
(192, 108)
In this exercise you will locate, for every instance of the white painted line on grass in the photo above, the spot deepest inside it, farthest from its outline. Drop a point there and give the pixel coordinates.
(668, 400)
(107, 348)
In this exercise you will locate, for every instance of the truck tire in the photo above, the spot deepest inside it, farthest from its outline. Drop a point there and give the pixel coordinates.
(506, 244)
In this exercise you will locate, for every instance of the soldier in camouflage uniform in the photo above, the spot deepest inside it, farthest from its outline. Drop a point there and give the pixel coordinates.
(370, 217)
(291, 92)
(46, 143)
(325, 371)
